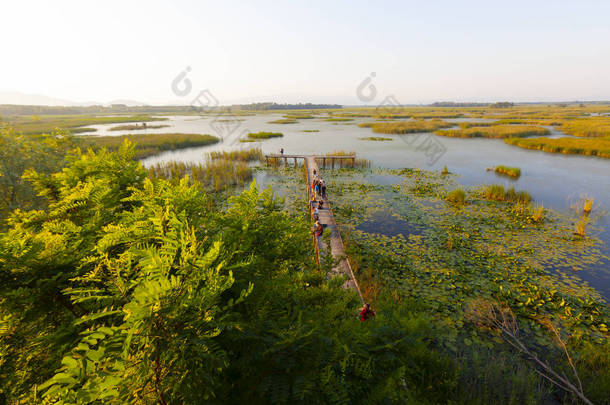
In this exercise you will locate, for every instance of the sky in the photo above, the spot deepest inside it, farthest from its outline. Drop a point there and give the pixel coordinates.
(314, 51)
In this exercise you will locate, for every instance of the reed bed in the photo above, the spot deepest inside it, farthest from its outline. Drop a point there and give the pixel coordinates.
(32, 125)
(264, 135)
(136, 127)
(299, 116)
(496, 131)
(338, 119)
(376, 138)
(599, 147)
(406, 127)
(310, 130)
(249, 155)
(151, 144)
(587, 127)
(496, 192)
(508, 171)
(284, 121)
(457, 197)
(217, 174)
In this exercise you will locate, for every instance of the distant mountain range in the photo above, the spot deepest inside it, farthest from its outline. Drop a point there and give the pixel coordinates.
(13, 97)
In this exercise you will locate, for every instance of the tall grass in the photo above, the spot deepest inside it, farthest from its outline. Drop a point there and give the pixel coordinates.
(47, 123)
(248, 155)
(457, 196)
(152, 144)
(587, 205)
(136, 127)
(587, 127)
(217, 174)
(284, 121)
(599, 147)
(265, 135)
(497, 192)
(509, 171)
(495, 131)
(406, 127)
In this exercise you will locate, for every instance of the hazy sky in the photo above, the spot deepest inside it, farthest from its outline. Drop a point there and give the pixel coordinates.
(318, 51)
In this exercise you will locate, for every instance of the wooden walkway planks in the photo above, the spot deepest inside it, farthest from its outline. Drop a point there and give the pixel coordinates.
(341, 266)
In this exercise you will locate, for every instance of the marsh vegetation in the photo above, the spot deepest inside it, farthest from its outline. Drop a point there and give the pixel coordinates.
(151, 144)
(494, 131)
(599, 147)
(406, 127)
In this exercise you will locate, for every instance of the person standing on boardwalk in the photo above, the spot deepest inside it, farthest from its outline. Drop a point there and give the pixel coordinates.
(366, 313)
(317, 189)
(281, 151)
(323, 188)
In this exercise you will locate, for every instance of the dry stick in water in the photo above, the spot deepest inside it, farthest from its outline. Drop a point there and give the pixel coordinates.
(491, 315)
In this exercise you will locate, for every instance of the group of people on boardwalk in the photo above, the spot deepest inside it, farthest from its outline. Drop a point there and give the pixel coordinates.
(318, 192)
(318, 186)
(318, 195)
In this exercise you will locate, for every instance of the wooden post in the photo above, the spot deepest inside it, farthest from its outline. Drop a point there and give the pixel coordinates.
(324, 162)
(267, 160)
(295, 162)
(285, 161)
(332, 161)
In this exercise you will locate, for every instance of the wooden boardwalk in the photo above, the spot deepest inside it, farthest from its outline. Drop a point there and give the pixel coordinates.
(341, 266)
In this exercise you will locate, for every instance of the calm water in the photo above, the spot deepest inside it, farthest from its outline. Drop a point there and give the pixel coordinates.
(554, 180)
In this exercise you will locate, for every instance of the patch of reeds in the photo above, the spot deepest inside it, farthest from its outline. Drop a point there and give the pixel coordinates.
(599, 147)
(310, 130)
(248, 155)
(406, 127)
(136, 127)
(495, 131)
(457, 196)
(496, 192)
(338, 119)
(39, 124)
(375, 138)
(265, 135)
(218, 174)
(587, 127)
(587, 205)
(299, 116)
(538, 214)
(508, 171)
(581, 227)
(151, 144)
(445, 171)
(284, 121)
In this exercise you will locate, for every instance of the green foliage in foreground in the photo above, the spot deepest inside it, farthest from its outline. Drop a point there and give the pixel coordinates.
(127, 290)
(599, 147)
(19, 153)
(152, 144)
(495, 131)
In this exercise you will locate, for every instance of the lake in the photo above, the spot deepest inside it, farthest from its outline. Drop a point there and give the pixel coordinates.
(554, 180)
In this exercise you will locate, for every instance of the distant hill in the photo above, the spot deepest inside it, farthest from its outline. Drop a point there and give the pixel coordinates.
(17, 98)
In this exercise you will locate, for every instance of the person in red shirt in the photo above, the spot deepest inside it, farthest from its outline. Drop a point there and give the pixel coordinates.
(366, 313)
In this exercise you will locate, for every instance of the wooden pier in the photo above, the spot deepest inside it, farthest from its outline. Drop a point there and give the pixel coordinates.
(331, 159)
(341, 266)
